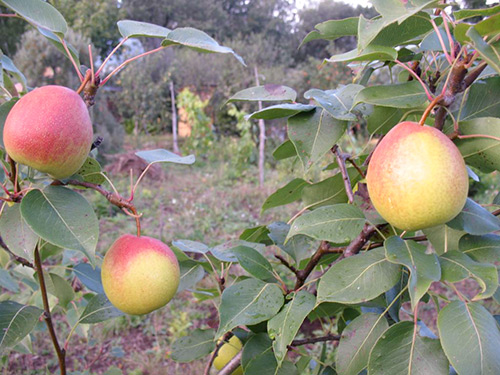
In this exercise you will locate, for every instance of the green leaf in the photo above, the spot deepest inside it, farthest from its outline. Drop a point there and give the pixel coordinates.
(456, 266)
(325, 309)
(134, 29)
(266, 93)
(484, 249)
(91, 171)
(16, 321)
(489, 52)
(164, 156)
(250, 301)
(337, 102)
(194, 346)
(254, 263)
(359, 278)
(7, 281)
(402, 95)
(432, 43)
(258, 234)
(339, 223)
(443, 238)
(382, 119)
(39, 13)
(482, 100)
(284, 327)
(258, 358)
(191, 274)
(4, 111)
(89, 276)
(54, 39)
(61, 289)
(481, 152)
(198, 41)
(410, 31)
(391, 11)
(191, 246)
(468, 13)
(370, 53)
(224, 251)
(281, 110)
(475, 219)
(63, 218)
(289, 193)
(396, 353)
(314, 133)
(297, 247)
(329, 191)
(9, 66)
(479, 354)
(333, 29)
(98, 310)
(424, 268)
(16, 233)
(285, 150)
(358, 339)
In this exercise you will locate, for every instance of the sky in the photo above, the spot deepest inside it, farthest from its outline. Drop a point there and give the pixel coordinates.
(303, 3)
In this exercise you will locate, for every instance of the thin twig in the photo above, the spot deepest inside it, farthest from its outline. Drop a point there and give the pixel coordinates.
(232, 364)
(25, 262)
(113, 198)
(70, 56)
(313, 340)
(61, 353)
(353, 163)
(429, 108)
(215, 352)
(286, 264)
(345, 175)
(129, 61)
(441, 41)
(429, 95)
(111, 54)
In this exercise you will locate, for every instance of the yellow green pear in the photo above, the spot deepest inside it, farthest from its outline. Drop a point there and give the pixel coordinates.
(227, 352)
(417, 177)
(139, 274)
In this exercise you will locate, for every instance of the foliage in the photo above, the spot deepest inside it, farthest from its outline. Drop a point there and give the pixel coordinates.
(51, 67)
(332, 262)
(242, 150)
(202, 136)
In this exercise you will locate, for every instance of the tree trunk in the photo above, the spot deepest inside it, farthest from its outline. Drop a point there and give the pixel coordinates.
(174, 118)
(262, 136)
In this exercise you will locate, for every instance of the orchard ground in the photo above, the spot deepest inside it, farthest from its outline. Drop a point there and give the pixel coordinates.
(201, 203)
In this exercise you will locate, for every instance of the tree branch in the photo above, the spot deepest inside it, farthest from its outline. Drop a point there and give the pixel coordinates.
(61, 353)
(25, 262)
(313, 340)
(286, 264)
(113, 198)
(343, 170)
(214, 353)
(232, 364)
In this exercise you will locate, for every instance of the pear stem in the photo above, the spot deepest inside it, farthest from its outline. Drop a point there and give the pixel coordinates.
(429, 109)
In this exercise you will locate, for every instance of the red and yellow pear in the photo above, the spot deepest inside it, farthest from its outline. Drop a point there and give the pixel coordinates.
(49, 129)
(139, 274)
(417, 177)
